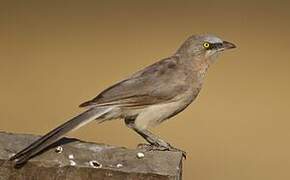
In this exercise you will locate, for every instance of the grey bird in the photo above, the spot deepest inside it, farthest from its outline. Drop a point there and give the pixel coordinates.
(147, 98)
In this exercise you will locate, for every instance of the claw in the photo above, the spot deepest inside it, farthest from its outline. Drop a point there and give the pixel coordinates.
(171, 148)
(153, 147)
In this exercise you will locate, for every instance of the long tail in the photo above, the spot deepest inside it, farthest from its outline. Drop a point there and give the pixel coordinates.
(54, 135)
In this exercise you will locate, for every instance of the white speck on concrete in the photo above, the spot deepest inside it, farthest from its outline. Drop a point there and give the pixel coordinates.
(72, 163)
(140, 155)
(71, 156)
(119, 165)
(58, 149)
(95, 164)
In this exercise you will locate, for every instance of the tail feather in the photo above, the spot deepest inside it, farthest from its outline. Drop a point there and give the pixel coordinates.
(54, 135)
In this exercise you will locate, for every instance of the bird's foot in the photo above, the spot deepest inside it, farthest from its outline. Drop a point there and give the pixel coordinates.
(157, 147)
(151, 147)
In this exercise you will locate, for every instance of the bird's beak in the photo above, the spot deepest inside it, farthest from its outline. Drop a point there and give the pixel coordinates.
(228, 45)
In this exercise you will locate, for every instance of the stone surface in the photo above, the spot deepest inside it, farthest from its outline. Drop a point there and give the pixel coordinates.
(76, 160)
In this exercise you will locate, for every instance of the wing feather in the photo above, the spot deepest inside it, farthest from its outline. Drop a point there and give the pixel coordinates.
(155, 84)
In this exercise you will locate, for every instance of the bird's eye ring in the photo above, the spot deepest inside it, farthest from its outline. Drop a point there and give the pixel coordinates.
(206, 45)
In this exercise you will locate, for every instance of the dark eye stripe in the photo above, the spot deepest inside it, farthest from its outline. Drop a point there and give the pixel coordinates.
(215, 45)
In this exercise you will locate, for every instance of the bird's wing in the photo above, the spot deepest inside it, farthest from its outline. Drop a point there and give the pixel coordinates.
(155, 84)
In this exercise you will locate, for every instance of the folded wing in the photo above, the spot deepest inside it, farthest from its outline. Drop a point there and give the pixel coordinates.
(145, 87)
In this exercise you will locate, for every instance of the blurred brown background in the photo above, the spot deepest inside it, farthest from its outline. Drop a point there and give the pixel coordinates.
(55, 55)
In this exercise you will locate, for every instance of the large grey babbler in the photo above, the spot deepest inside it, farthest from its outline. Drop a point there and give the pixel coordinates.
(147, 98)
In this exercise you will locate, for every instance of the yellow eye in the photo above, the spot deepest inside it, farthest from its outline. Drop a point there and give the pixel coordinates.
(206, 45)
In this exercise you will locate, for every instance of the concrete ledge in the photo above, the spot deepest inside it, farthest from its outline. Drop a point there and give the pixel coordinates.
(75, 160)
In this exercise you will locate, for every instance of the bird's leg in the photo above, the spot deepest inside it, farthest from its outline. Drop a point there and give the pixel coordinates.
(155, 143)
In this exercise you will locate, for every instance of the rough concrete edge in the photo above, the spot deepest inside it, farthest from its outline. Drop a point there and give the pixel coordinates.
(178, 172)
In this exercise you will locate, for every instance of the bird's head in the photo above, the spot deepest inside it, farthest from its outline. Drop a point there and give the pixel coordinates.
(204, 47)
